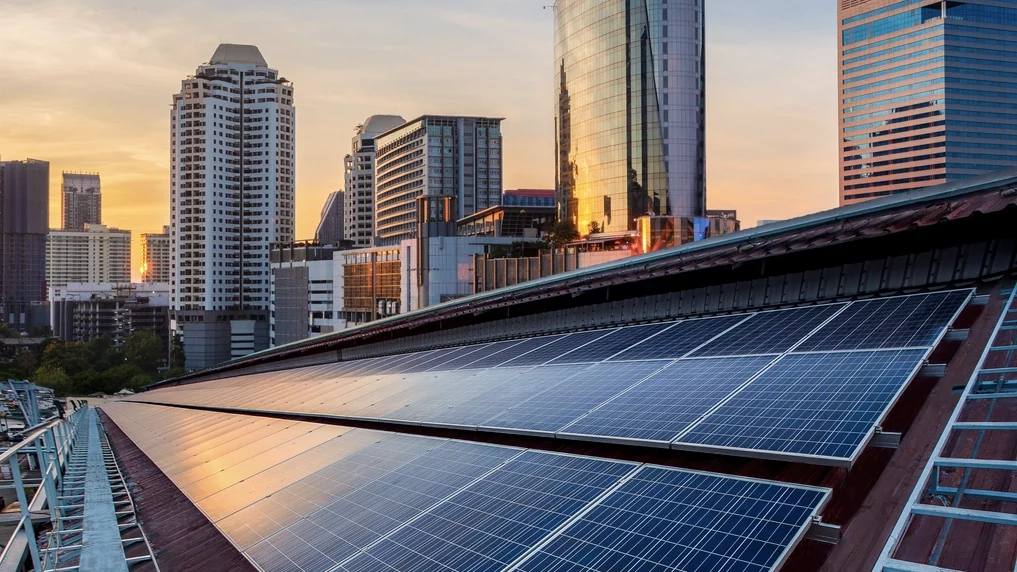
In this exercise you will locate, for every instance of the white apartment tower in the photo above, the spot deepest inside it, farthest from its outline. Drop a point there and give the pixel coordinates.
(95, 254)
(358, 211)
(232, 132)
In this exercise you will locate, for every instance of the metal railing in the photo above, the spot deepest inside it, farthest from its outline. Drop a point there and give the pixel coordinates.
(36, 468)
(986, 383)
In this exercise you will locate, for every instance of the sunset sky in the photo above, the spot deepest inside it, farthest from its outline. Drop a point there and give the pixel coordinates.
(87, 84)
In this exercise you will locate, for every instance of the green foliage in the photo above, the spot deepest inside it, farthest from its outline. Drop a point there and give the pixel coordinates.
(55, 378)
(563, 232)
(595, 227)
(145, 350)
(74, 358)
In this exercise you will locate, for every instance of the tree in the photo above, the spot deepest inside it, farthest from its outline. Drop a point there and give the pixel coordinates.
(145, 350)
(73, 358)
(563, 232)
(595, 227)
(55, 378)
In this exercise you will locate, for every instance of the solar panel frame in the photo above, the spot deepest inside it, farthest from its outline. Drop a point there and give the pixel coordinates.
(948, 307)
(615, 342)
(563, 345)
(655, 347)
(684, 442)
(672, 408)
(756, 335)
(608, 501)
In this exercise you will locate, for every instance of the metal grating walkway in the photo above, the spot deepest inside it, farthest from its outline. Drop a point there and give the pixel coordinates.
(96, 522)
(947, 485)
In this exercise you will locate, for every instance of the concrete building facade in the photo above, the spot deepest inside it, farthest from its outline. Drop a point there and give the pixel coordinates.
(925, 93)
(302, 292)
(24, 223)
(82, 311)
(358, 211)
(80, 200)
(96, 254)
(155, 257)
(435, 157)
(232, 133)
(630, 96)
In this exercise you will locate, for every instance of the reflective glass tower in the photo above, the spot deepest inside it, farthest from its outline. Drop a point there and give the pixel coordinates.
(630, 103)
(928, 93)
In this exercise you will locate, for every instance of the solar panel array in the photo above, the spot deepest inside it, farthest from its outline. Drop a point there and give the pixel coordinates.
(385, 501)
(808, 383)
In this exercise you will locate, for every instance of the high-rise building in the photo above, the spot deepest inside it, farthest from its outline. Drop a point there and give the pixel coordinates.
(923, 93)
(24, 222)
(232, 130)
(96, 254)
(358, 212)
(80, 200)
(155, 256)
(630, 100)
(330, 226)
(435, 157)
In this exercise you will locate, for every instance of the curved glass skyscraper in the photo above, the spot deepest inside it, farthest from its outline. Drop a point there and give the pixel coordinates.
(630, 102)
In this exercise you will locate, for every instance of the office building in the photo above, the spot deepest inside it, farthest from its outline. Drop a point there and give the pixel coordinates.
(330, 226)
(302, 292)
(232, 195)
(630, 121)
(358, 211)
(80, 200)
(435, 156)
(925, 93)
(80, 312)
(96, 254)
(155, 257)
(24, 222)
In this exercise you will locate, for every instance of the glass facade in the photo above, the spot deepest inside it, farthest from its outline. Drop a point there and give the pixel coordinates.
(630, 102)
(928, 93)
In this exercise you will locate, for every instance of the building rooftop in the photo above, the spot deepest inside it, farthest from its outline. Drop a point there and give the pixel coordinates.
(238, 54)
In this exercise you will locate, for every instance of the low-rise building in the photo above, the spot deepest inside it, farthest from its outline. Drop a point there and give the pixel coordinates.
(301, 292)
(82, 311)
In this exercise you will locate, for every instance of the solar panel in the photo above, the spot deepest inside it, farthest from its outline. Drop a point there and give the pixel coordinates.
(496, 519)
(368, 512)
(680, 339)
(499, 398)
(456, 388)
(517, 349)
(769, 332)
(381, 501)
(664, 519)
(810, 405)
(556, 348)
(564, 402)
(669, 401)
(614, 342)
(898, 322)
(487, 351)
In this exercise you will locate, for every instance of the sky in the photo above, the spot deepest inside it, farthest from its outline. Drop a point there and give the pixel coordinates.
(87, 85)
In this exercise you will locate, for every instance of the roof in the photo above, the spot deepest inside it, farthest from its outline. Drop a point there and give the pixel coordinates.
(879, 217)
(423, 117)
(381, 123)
(238, 54)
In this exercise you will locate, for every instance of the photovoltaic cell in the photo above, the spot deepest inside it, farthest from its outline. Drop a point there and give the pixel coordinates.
(669, 401)
(811, 404)
(517, 349)
(680, 339)
(665, 519)
(611, 344)
(899, 322)
(496, 519)
(466, 361)
(556, 348)
(769, 332)
(564, 402)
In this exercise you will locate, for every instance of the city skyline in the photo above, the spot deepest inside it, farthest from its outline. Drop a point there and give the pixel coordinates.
(769, 129)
